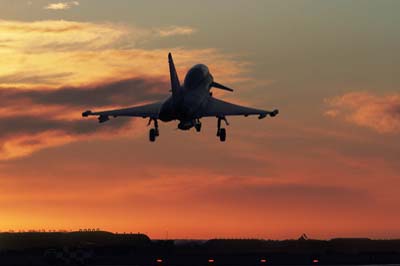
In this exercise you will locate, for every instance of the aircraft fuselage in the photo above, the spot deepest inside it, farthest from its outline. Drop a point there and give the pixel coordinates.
(193, 96)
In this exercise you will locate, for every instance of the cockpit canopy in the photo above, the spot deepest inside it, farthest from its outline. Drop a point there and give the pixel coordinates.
(195, 76)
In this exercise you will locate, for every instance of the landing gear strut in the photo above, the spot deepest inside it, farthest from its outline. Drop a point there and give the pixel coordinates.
(197, 125)
(221, 132)
(153, 133)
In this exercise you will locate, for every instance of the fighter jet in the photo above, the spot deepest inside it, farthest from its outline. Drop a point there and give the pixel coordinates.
(187, 103)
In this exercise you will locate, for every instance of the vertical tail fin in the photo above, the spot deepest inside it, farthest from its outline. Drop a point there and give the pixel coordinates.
(175, 84)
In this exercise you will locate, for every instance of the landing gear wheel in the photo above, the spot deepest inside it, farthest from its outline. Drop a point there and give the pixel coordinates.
(222, 134)
(198, 127)
(152, 134)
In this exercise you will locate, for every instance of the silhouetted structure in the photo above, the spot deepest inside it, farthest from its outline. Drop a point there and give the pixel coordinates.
(104, 248)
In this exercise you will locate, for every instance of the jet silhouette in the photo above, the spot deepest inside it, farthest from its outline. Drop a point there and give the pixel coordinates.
(188, 104)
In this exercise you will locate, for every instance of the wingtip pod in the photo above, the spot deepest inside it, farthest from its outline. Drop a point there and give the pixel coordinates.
(86, 113)
(274, 113)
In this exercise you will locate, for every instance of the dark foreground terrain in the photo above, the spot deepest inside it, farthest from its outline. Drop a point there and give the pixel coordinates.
(104, 248)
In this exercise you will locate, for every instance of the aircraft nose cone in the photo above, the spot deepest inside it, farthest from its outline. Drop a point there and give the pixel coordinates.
(195, 75)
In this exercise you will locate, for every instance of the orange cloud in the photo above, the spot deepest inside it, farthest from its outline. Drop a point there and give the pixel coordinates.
(378, 112)
(173, 30)
(61, 5)
(55, 53)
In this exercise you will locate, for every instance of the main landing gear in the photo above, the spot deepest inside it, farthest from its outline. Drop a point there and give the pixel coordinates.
(197, 125)
(153, 133)
(221, 132)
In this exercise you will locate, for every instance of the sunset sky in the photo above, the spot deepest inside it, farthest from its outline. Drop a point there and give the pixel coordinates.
(327, 166)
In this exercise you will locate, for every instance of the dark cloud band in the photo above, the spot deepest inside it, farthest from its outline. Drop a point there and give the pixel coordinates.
(122, 92)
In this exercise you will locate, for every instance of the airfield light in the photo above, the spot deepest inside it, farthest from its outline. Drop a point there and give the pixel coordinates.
(211, 261)
(263, 260)
(159, 260)
(315, 260)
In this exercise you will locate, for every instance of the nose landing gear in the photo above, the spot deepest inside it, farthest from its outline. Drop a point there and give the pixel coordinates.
(153, 133)
(221, 132)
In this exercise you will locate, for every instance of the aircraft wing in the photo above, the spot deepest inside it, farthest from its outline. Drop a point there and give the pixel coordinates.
(219, 108)
(148, 110)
